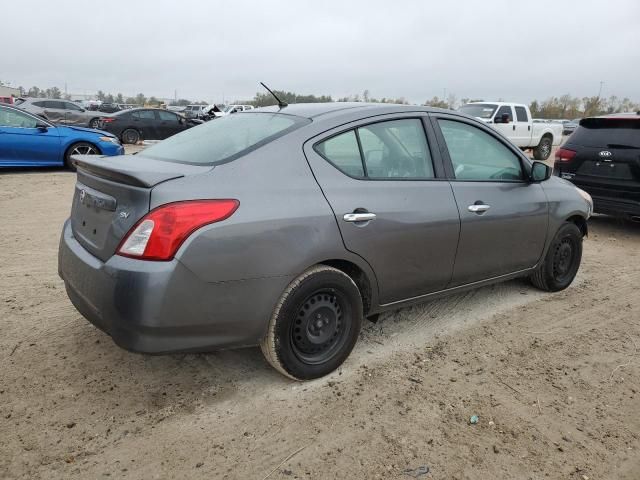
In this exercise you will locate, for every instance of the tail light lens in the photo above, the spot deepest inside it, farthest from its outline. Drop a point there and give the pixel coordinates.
(565, 155)
(107, 119)
(159, 234)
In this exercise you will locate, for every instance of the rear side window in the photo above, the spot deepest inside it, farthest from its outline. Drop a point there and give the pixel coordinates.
(521, 114)
(224, 139)
(168, 116)
(395, 149)
(478, 156)
(607, 133)
(343, 152)
(40, 104)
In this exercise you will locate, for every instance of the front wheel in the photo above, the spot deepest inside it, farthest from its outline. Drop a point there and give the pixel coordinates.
(561, 264)
(80, 148)
(543, 150)
(315, 324)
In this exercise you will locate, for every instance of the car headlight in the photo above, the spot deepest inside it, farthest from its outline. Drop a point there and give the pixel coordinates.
(110, 140)
(588, 199)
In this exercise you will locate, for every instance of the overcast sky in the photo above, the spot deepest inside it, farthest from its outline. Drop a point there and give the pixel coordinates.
(214, 50)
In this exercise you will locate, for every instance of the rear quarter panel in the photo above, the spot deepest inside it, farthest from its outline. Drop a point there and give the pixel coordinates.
(283, 225)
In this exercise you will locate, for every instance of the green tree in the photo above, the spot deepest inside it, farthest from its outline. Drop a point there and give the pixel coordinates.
(34, 92)
(140, 99)
(55, 92)
(119, 98)
(100, 95)
(436, 102)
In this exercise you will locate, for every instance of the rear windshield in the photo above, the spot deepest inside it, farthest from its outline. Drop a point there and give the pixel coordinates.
(224, 139)
(608, 133)
(479, 110)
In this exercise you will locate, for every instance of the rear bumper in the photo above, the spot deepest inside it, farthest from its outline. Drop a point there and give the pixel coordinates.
(609, 201)
(162, 307)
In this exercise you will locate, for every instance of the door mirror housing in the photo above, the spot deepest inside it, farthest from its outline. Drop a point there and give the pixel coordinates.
(504, 118)
(540, 172)
(43, 127)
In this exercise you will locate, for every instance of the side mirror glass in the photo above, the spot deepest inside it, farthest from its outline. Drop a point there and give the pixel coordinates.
(540, 172)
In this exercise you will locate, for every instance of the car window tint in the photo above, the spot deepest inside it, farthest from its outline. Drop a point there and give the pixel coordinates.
(224, 139)
(10, 118)
(144, 115)
(504, 109)
(72, 106)
(396, 149)
(168, 116)
(40, 104)
(343, 152)
(521, 114)
(54, 104)
(476, 155)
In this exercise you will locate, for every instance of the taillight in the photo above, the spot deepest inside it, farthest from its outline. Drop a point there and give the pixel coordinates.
(565, 155)
(159, 234)
(107, 119)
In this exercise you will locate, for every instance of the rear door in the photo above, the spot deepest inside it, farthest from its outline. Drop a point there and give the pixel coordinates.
(22, 144)
(392, 204)
(522, 134)
(503, 217)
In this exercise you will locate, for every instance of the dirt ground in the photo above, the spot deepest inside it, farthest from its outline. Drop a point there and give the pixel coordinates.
(553, 378)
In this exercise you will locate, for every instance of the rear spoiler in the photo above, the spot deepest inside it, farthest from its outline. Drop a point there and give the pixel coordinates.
(126, 169)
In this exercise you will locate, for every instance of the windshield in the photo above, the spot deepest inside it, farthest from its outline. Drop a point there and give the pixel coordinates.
(479, 110)
(608, 133)
(224, 139)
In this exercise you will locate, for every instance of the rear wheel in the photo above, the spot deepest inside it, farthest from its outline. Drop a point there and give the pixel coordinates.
(80, 148)
(543, 150)
(94, 123)
(130, 136)
(315, 324)
(562, 261)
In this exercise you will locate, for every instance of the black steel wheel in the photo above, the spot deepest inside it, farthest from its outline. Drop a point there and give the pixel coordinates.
(561, 264)
(315, 324)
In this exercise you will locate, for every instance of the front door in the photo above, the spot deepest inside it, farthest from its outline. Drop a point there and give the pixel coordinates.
(169, 124)
(391, 202)
(22, 144)
(507, 129)
(503, 216)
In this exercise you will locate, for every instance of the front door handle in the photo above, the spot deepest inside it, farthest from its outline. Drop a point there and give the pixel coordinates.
(359, 217)
(514, 128)
(479, 209)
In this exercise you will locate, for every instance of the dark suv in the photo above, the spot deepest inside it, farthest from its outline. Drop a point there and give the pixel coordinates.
(602, 156)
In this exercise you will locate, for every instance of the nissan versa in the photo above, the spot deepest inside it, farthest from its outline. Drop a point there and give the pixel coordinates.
(285, 226)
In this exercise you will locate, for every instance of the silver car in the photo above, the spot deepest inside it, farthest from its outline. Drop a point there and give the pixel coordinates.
(62, 112)
(285, 227)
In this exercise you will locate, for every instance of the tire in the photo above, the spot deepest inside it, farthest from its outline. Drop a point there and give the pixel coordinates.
(543, 150)
(315, 324)
(130, 136)
(94, 123)
(80, 148)
(562, 261)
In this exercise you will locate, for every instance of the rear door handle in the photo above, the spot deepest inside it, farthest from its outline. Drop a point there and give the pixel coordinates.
(359, 217)
(479, 209)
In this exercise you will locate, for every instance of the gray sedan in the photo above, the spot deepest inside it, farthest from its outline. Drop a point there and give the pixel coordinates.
(62, 112)
(285, 227)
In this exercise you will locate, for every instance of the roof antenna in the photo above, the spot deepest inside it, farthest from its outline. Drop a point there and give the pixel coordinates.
(281, 104)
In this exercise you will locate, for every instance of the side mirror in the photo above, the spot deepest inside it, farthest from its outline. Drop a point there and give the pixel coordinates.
(504, 118)
(540, 172)
(43, 127)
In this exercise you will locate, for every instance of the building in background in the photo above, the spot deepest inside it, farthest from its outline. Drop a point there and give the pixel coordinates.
(7, 94)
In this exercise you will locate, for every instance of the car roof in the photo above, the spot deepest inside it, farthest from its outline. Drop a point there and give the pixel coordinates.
(330, 109)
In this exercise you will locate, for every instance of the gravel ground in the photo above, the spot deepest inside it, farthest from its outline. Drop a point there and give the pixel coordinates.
(553, 378)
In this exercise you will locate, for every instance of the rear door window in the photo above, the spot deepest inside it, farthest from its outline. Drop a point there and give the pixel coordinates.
(343, 152)
(521, 114)
(144, 115)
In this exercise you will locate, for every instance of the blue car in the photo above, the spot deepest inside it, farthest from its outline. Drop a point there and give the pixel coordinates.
(27, 140)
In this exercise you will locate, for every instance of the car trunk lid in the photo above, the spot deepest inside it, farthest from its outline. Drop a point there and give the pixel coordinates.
(113, 193)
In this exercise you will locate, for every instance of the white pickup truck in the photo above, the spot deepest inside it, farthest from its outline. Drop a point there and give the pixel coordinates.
(514, 121)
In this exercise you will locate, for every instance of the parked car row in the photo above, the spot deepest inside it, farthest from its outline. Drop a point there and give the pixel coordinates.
(28, 140)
